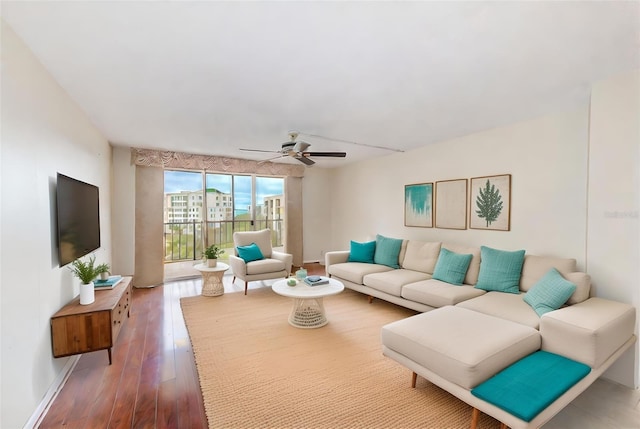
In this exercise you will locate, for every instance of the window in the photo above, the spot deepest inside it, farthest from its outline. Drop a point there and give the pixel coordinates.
(213, 206)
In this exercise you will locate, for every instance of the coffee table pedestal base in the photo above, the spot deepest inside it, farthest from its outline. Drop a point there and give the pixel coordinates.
(307, 313)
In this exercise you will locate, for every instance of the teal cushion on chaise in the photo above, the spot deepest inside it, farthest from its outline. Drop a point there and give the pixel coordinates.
(530, 385)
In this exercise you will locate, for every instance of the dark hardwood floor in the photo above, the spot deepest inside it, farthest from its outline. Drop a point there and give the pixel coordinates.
(153, 382)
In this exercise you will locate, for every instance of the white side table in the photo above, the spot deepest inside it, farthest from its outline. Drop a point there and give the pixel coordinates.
(212, 278)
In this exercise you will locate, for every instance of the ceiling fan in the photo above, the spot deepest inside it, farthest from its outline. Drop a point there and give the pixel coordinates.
(297, 150)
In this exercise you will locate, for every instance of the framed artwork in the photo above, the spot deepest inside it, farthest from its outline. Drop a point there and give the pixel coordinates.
(418, 205)
(490, 203)
(451, 204)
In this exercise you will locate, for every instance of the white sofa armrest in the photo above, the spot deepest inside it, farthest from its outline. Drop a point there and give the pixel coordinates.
(238, 266)
(284, 257)
(589, 332)
(336, 257)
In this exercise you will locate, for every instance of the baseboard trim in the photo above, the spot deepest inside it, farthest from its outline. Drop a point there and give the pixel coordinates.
(52, 393)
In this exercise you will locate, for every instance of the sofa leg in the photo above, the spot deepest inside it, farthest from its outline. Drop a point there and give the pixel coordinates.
(414, 378)
(246, 286)
(234, 279)
(475, 414)
(370, 299)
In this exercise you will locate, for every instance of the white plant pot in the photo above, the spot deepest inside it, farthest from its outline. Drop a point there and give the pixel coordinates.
(212, 263)
(87, 294)
(104, 276)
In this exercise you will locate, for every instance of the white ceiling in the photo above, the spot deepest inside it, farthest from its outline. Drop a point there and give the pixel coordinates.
(213, 77)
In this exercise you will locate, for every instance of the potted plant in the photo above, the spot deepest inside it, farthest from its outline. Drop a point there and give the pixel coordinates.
(211, 253)
(86, 271)
(103, 271)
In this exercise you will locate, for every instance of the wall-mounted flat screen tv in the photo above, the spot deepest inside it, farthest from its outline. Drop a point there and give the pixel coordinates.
(78, 210)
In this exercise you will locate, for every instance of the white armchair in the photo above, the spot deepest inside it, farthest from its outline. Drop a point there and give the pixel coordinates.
(274, 265)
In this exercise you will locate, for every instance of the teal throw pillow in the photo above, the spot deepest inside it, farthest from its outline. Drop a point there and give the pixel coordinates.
(549, 293)
(452, 267)
(500, 270)
(250, 253)
(387, 251)
(362, 252)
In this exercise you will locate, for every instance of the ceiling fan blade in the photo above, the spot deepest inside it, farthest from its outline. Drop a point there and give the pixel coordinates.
(305, 160)
(271, 159)
(258, 150)
(329, 154)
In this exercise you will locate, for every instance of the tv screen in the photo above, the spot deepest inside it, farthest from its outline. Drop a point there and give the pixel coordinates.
(78, 211)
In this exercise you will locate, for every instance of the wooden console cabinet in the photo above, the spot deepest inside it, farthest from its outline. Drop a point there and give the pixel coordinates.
(79, 328)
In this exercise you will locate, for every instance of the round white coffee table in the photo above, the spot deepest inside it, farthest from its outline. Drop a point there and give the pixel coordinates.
(308, 308)
(212, 278)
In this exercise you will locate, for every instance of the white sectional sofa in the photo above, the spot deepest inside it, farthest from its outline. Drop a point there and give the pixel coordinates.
(467, 334)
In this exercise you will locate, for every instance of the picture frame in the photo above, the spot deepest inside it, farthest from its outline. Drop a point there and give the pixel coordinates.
(418, 205)
(490, 203)
(451, 204)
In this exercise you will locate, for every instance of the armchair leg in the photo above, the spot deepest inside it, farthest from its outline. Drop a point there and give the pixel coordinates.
(234, 279)
(246, 286)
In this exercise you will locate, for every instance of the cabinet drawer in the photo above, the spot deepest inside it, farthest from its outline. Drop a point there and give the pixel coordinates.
(81, 333)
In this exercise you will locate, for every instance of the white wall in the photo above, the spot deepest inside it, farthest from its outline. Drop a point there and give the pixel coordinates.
(547, 158)
(316, 213)
(613, 249)
(43, 132)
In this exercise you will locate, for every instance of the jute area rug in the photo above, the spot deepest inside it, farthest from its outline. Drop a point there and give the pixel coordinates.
(257, 371)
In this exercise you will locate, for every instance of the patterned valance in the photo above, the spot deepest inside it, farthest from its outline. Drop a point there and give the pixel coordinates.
(170, 159)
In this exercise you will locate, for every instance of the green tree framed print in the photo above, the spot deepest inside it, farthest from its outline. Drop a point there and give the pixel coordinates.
(418, 205)
(490, 203)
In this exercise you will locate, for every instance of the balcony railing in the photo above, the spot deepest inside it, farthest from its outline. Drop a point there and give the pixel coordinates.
(184, 240)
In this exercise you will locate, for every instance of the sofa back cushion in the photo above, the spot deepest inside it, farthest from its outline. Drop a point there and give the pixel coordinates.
(474, 266)
(535, 267)
(421, 256)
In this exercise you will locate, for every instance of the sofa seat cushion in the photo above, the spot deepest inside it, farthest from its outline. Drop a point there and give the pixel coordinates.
(436, 293)
(266, 265)
(355, 271)
(589, 332)
(391, 282)
(461, 345)
(506, 306)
